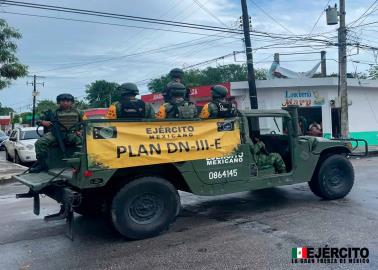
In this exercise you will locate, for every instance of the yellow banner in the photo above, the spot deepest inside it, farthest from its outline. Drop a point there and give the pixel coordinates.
(127, 144)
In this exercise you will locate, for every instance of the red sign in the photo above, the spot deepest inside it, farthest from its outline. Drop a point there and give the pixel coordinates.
(151, 98)
(195, 92)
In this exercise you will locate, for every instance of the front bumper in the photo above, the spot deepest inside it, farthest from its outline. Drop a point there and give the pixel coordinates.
(27, 155)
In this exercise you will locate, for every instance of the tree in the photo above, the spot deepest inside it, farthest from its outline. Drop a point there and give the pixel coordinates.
(102, 93)
(45, 105)
(10, 67)
(208, 76)
(81, 104)
(5, 110)
(373, 72)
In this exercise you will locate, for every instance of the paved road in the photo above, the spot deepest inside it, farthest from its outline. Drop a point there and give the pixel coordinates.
(7, 169)
(249, 230)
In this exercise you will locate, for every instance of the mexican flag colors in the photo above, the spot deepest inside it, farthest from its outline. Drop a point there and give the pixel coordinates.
(299, 253)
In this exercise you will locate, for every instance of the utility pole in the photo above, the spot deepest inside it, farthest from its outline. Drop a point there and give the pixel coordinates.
(248, 51)
(343, 93)
(34, 94)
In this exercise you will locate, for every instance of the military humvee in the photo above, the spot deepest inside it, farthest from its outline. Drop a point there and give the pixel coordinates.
(132, 170)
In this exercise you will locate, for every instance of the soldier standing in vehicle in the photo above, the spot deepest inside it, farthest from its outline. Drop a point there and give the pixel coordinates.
(129, 106)
(219, 107)
(177, 105)
(68, 117)
(264, 159)
(176, 76)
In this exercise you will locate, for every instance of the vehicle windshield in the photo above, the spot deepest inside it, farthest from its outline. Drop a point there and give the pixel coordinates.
(29, 135)
(2, 134)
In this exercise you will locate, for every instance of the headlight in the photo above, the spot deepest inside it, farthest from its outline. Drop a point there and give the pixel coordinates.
(21, 148)
(349, 146)
(30, 146)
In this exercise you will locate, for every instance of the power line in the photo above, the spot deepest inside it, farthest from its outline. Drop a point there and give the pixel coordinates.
(120, 16)
(157, 50)
(271, 17)
(363, 14)
(157, 21)
(203, 7)
(103, 23)
(312, 29)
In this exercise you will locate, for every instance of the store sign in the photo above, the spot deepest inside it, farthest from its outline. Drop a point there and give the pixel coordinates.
(304, 98)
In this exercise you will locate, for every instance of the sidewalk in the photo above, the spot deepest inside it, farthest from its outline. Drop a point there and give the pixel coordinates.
(8, 169)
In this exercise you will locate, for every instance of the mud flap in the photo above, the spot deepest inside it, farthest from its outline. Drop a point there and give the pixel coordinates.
(70, 198)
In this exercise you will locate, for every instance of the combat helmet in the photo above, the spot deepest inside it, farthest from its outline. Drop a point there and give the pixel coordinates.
(176, 73)
(218, 91)
(128, 89)
(65, 96)
(176, 89)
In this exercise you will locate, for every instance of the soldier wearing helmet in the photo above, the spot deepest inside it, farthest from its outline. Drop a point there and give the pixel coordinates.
(176, 105)
(176, 76)
(129, 106)
(219, 107)
(68, 117)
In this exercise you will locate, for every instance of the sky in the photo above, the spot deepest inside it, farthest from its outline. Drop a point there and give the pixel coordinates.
(71, 54)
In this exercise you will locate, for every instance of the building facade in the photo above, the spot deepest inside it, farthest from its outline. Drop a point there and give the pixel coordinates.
(317, 99)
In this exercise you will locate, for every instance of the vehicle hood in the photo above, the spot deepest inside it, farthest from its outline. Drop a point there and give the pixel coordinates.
(27, 142)
(320, 143)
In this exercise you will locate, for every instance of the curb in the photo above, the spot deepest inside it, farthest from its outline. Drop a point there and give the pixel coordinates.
(7, 180)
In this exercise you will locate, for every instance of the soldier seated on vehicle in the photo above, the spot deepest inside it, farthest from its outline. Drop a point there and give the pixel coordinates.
(129, 106)
(68, 117)
(176, 75)
(264, 159)
(177, 106)
(219, 107)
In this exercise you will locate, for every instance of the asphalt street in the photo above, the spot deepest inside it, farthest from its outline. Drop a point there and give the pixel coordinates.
(248, 230)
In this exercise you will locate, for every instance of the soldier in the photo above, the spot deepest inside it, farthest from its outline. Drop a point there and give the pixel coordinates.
(177, 106)
(263, 158)
(219, 107)
(67, 117)
(176, 76)
(129, 106)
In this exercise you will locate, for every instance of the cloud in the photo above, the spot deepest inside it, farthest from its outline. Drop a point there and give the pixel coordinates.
(48, 46)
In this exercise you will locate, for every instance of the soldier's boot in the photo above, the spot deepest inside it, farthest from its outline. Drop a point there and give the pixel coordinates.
(39, 166)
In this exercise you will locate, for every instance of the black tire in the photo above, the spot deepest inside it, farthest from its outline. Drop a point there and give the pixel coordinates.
(7, 156)
(145, 207)
(334, 179)
(17, 159)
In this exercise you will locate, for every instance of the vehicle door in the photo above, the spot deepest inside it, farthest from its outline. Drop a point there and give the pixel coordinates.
(13, 139)
(271, 145)
(227, 169)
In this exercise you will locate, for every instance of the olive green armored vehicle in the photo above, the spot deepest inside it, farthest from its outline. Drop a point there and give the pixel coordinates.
(132, 170)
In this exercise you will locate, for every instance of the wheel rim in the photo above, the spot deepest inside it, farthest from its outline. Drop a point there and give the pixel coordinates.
(335, 178)
(145, 208)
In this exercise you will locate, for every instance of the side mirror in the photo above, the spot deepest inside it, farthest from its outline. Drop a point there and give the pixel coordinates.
(13, 139)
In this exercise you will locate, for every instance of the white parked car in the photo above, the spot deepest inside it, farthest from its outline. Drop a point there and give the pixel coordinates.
(19, 148)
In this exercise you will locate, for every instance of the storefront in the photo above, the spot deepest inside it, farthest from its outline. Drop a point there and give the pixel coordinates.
(318, 102)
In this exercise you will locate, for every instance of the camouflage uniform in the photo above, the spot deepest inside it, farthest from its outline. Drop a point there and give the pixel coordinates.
(115, 111)
(265, 160)
(177, 106)
(219, 107)
(47, 140)
(129, 106)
